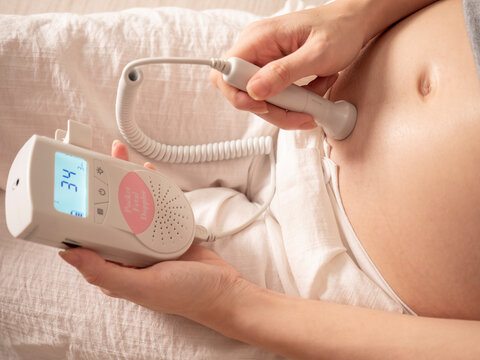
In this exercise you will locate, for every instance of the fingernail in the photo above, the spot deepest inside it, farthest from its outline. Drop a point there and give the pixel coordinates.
(258, 89)
(115, 143)
(70, 257)
(261, 111)
(148, 164)
(105, 291)
(308, 125)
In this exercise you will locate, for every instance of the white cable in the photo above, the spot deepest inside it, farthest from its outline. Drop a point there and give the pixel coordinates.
(262, 208)
(204, 235)
(131, 78)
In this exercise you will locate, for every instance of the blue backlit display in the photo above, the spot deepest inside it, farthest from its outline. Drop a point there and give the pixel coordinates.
(70, 185)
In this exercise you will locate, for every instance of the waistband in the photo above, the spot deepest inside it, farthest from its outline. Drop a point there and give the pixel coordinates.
(356, 249)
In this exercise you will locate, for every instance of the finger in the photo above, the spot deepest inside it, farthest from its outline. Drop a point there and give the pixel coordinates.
(271, 113)
(114, 279)
(288, 120)
(239, 99)
(149, 166)
(119, 150)
(277, 75)
(214, 77)
(106, 292)
(257, 42)
(320, 85)
(275, 115)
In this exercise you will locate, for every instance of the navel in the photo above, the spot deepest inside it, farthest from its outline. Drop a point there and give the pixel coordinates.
(427, 81)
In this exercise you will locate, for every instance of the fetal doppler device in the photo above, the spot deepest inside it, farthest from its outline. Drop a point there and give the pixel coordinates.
(63, 194)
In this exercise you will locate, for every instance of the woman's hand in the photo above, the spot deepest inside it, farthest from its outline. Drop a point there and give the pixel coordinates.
(320, 41)
(194, 286)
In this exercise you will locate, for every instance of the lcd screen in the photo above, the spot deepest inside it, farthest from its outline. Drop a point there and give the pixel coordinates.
(70, 185)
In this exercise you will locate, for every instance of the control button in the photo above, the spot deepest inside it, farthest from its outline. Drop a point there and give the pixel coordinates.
(100, 172)
(100, 212)
(101, 192)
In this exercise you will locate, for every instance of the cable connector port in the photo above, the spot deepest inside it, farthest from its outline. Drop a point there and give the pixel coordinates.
(202, 234)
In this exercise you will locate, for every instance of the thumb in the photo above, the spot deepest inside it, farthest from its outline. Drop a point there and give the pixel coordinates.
(279, 74)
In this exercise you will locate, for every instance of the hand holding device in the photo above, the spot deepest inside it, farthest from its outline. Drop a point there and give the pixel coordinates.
(337, 119)
(195, 286)
(61, 193)
(320, 41)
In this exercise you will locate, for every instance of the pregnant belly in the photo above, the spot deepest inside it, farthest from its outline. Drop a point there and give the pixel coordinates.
(410, 171)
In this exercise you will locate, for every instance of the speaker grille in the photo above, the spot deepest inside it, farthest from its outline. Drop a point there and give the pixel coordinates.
(173, 223)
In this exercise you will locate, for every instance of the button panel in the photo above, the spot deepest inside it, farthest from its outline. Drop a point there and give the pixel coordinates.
(101, 194)
(100, 212)
(99, 171)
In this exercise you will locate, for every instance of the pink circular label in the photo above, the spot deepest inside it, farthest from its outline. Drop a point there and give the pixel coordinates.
(136, 203)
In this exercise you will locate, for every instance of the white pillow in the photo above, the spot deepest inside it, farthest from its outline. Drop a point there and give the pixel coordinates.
(64, 66)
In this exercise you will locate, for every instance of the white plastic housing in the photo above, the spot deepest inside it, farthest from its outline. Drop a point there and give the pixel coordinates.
(134, 216)
(337, 119)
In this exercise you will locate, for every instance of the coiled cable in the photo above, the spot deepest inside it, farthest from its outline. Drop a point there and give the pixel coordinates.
(129, 81)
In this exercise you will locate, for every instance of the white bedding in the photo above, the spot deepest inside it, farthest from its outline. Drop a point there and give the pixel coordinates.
(60, 66)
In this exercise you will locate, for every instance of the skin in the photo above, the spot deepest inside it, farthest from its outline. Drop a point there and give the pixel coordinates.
(400, 136)
(409, 172)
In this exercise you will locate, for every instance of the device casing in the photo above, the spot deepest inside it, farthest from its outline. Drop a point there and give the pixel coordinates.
(156, 224)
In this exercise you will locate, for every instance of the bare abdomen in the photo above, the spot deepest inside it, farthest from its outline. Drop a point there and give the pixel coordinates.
(410, 172)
